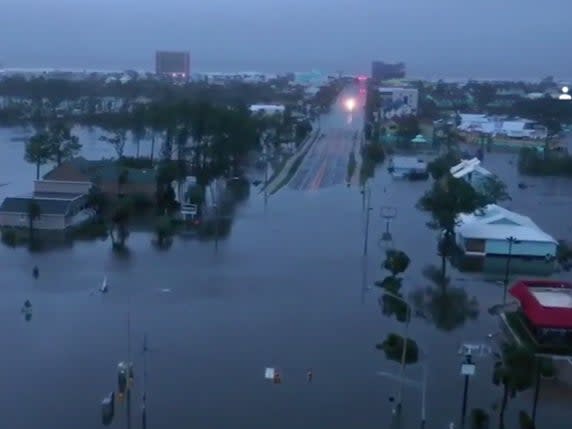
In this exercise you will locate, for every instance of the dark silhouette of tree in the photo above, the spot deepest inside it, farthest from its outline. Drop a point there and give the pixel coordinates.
(514, 371)
(38, 151)
(443, 305)
(392, 301)
(120, 219)
(407, 126)
(163, 230)
(441, 166)
(34, 213)
(118, 139)
(447, 198)
(63, 144)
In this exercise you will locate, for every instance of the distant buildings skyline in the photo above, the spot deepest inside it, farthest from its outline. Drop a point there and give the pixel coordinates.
(173, 64)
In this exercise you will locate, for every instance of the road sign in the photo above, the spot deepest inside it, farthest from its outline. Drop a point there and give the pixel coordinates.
(475, 349)
(468, 369)
(388, 212)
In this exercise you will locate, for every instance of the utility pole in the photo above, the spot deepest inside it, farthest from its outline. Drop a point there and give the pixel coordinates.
(536, 389)
(511, 240)
(369, 208)
(129, 366)
(404, 348)
(144, 399)
(216, 226)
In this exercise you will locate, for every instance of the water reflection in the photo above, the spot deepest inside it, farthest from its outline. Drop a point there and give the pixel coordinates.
(445, 306)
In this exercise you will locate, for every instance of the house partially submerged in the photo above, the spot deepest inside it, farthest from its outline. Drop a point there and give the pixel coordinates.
(516, 128)
(471, 171)
(109, 176)
(484, 236)
(403, 167)
(61, 205)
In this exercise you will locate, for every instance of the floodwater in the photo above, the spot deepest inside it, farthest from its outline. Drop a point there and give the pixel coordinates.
(285, 290)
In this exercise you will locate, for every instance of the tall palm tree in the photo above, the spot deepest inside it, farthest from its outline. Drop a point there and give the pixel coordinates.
(514, 371)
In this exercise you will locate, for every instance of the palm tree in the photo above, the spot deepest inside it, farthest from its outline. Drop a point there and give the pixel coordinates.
(514, 371)
(34, 212)
(38, 151)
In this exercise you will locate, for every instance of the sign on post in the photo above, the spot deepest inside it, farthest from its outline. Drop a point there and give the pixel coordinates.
(468, 369)
(475, 349)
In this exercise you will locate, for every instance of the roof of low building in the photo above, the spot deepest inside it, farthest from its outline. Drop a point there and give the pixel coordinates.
(407, 162)
(497, 223)
(49, 203)
(546, 303)
(104, 170)
(468, 166)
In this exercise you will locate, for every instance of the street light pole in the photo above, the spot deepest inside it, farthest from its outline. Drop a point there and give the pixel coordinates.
(536, 389)
(369, 208)
(424, 393)
(404, 349)
(265, 180)
(511, 240)
(216, 227)
(467, 369)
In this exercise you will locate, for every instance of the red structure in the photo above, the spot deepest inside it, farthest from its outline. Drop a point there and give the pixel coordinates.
(547, 309)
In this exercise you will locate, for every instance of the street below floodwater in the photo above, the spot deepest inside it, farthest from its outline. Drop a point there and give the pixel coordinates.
(289, 288)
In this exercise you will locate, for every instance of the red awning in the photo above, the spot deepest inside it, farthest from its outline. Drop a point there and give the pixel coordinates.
(539, 315)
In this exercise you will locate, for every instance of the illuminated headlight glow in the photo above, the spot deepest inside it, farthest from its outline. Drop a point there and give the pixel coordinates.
(350, 104)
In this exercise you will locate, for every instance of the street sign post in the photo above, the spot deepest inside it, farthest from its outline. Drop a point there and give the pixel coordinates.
(468, 369)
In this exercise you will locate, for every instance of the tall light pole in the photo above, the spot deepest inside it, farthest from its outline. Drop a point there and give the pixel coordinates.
(467, 370)
(265, 180)
(216, 226)
(368, 210)
(536, 388)
(404, 349)
(511, 240)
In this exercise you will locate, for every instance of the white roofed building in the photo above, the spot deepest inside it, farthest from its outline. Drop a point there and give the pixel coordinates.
(471, 171)
(267, 109)
(485, 234)
(513, 128)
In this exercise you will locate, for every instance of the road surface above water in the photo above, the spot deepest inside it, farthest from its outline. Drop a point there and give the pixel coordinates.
(326, 162)
(288, 289)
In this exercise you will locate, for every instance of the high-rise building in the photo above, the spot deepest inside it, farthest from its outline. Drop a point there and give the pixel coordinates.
(173, 64)
(385, 71)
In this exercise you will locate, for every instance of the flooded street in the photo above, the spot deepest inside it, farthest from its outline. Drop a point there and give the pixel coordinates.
(285, 290)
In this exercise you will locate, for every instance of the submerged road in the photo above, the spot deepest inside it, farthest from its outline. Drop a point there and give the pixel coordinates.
(326, 163)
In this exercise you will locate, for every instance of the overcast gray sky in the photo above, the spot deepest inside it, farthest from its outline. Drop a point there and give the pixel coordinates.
(436, 38)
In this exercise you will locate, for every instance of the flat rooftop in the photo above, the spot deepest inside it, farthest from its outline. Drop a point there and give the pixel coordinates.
(552, 297)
